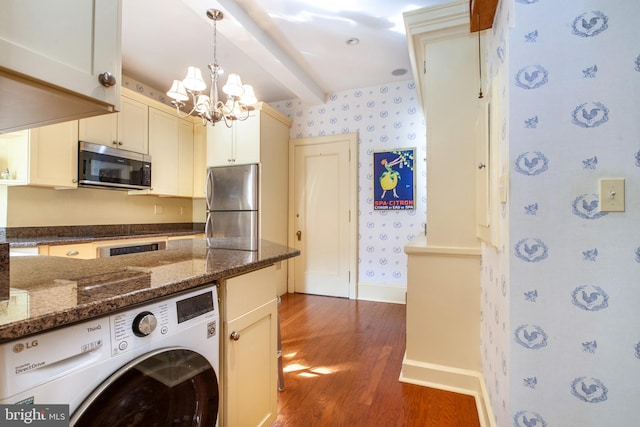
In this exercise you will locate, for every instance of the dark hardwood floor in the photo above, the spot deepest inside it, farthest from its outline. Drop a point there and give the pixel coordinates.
(342, 360)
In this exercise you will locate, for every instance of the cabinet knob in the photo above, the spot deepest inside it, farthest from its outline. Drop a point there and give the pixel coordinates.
(235, 336)
(481, 165)
(107, 79)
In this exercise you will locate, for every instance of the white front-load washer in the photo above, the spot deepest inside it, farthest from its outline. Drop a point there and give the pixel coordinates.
(153, 365)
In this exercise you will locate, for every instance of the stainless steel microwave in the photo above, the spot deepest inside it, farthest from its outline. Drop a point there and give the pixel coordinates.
(107, 167)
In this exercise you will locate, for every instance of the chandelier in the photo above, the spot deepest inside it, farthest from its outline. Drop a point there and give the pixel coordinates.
(210, 108)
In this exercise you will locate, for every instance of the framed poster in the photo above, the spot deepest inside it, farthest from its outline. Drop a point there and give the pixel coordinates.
(394, 178)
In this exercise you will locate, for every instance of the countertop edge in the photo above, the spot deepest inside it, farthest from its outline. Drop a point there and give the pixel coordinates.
(80, 313)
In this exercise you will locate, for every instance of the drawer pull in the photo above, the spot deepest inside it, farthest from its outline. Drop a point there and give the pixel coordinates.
(73, 253)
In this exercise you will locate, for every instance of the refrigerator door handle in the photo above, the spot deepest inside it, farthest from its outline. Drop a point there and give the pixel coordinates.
(209, 193)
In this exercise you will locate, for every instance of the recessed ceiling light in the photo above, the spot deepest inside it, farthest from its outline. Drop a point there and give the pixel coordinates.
(353, 41)
(399, 72)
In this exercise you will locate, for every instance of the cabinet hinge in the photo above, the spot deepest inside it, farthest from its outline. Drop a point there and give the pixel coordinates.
(424, 67)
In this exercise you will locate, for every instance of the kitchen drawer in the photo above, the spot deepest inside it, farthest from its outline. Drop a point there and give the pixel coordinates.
(90, 250)
(187, 236)
(78, 251)
(249, 291)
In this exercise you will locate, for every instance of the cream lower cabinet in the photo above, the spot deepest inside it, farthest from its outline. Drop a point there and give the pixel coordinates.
(249, 343)
(46, 156)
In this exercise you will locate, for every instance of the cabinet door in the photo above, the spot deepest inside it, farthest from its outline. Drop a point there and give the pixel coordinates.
(251, 368)
(14, 157)
(101, 130)
(133, 126)
(247, 140)
(163, 148)
(185, 158)
(219, 145)
(66, 43)
(239, 144)
(45, 156)
(53, 155)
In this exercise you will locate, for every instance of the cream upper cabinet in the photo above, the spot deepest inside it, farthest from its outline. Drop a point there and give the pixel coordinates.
(171, 151)
(45, 156)
(163, 148)
(250, 349)
(239, 144)
(127, 129)
(59, 45)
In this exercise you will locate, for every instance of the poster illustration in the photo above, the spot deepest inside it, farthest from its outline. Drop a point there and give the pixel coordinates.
(394, 178)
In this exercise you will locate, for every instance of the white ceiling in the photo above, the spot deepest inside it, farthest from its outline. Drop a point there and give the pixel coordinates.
(286, 49)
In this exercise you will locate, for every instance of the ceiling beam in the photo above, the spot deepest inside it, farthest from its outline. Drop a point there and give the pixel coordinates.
(258, 44)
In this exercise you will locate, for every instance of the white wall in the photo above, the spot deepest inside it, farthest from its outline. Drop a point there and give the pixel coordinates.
(560, 295)
(385, 117)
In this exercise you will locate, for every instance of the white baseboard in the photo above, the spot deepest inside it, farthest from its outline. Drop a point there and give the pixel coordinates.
(382, 293)
(450, 379)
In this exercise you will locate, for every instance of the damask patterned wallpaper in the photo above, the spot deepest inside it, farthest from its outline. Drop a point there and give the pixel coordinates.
(385, 117)
(560, 338)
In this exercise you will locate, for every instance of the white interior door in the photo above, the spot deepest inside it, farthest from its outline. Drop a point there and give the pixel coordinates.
(323, 215)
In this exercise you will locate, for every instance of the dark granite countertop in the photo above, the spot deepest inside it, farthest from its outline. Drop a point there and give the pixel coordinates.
(49, 292)
(24, 237)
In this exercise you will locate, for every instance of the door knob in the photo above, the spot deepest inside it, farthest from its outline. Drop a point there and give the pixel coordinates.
(299, 234)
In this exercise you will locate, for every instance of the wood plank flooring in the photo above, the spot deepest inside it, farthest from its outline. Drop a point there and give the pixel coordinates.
(342, 360)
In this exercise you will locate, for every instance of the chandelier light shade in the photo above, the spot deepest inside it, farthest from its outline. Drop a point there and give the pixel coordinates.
(240, 97)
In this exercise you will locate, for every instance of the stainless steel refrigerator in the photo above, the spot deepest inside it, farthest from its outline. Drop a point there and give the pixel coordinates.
(232, 207)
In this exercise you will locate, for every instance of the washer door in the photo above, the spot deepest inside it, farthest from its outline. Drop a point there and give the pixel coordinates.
(175, 387)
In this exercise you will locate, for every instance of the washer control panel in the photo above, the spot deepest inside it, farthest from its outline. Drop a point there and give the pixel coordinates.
(136, 327)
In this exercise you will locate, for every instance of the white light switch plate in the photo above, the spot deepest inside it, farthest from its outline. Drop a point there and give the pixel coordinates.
(612, 195)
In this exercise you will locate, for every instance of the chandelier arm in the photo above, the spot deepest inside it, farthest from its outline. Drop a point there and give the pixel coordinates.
(227, 122)
(179, 112)
(245, 116)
